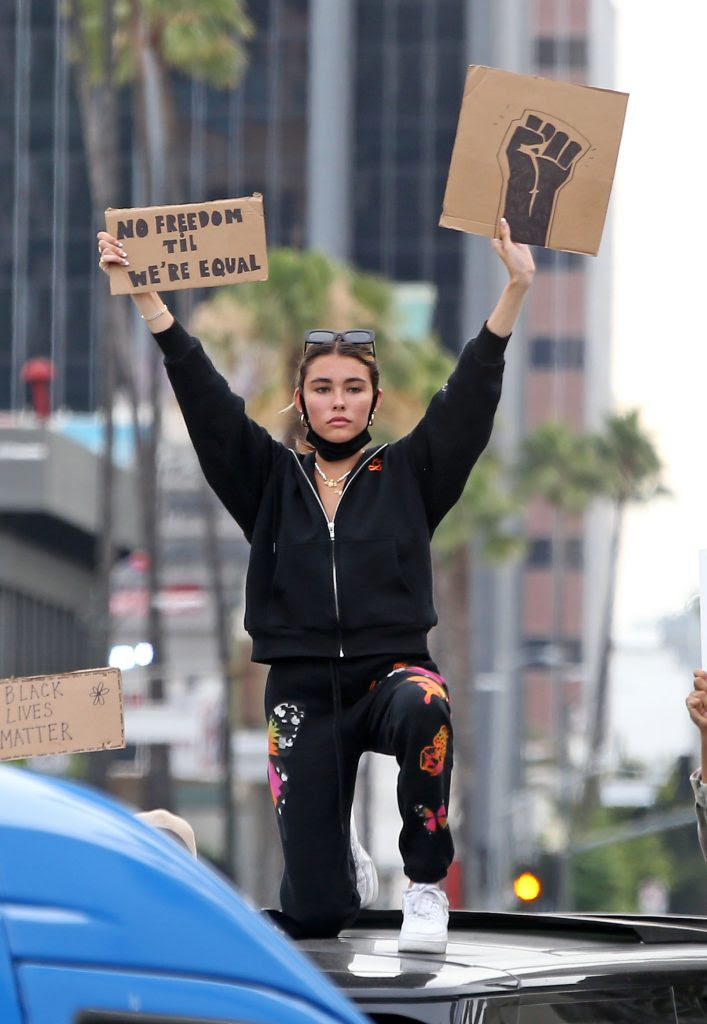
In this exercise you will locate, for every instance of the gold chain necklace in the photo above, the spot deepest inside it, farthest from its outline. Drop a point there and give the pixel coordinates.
(329, 481)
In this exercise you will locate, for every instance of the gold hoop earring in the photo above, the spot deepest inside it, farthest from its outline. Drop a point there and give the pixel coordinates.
(370, 422)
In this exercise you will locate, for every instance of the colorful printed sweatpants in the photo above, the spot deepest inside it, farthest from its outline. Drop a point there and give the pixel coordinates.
(322, 715)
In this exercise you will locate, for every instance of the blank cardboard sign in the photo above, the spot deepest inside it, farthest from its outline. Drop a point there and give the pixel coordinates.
(540, 153)
(197, 245)
(61, 714)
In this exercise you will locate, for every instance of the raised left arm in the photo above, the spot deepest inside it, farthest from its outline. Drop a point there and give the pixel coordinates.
(457, 425)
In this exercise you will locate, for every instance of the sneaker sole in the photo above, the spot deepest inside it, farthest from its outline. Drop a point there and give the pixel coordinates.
(422, 945)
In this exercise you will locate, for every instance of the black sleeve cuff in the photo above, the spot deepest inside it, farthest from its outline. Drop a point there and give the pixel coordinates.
(175, 342)
(489, 347)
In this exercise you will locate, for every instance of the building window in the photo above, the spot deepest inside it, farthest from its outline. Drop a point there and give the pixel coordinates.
(570, 52)
(556, 353)
(552, 259)
(539, 553)
(539, 652)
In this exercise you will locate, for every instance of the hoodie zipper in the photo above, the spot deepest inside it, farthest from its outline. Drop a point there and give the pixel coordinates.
(330, 527)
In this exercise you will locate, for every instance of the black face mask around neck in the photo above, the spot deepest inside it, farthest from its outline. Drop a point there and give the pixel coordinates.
(334, 451)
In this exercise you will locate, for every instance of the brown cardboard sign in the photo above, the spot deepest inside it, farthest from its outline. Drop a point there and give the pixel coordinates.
(198, 245)
(538, 152)
(61, 714)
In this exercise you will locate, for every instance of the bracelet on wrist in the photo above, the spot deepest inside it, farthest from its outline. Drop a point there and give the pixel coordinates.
(153, 316)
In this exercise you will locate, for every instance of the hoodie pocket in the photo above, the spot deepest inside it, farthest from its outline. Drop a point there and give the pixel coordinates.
(373, 588)
(302, 592)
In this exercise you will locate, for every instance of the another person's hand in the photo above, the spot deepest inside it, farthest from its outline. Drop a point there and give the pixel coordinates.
(516, 257)
(697, 700)
(111, 251)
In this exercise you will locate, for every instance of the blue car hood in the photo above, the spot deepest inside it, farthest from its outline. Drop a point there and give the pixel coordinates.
(82, 881)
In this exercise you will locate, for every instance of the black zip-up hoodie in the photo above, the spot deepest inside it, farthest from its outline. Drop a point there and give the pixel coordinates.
(362, 583)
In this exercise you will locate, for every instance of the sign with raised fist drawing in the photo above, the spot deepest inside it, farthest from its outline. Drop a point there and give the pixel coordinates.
(540, 153)
(537, 158)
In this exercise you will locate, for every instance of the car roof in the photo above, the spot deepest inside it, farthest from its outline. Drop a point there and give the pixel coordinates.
(506, 952)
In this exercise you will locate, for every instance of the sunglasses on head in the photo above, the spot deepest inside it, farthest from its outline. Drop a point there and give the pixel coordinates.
(358, 336)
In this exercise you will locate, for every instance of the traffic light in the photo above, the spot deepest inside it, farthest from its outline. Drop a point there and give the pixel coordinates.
(527, 886)
(535, 883)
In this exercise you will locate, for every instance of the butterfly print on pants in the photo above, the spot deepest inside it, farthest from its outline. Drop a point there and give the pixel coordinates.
(432, 820)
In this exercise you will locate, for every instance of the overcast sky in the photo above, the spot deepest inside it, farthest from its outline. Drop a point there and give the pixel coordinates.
(660, 349)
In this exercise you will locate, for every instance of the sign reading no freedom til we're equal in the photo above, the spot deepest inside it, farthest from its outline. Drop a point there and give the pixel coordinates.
(196, 245)
(61, 714)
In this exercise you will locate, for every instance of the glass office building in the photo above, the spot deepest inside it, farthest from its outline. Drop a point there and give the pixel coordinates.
(409, 68)
(407, 62)
(233, 143)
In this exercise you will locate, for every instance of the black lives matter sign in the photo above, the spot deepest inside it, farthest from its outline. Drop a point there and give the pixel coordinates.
(61, 714)
(199, 245)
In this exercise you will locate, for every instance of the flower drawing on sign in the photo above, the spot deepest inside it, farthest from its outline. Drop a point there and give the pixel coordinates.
(99, 693)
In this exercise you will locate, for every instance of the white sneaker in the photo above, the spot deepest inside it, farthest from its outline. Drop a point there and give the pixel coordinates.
(366, 874)
(425, 919)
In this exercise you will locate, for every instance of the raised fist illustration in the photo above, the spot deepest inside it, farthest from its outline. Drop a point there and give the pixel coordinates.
(541, 155)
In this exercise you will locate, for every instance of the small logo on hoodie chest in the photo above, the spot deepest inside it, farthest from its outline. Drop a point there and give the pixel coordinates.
(375, 465)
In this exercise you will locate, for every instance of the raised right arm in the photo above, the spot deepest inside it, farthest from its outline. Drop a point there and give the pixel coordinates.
(236, 454)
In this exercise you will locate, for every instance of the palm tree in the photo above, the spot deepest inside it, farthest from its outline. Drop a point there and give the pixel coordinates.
(141, 44)
(97, 96)
(631, 472)
(147, 43)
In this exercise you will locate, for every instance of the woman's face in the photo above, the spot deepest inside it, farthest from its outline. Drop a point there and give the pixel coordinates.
(338, 394)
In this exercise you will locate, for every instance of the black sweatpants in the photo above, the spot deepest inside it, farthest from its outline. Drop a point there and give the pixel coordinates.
(322, 715)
